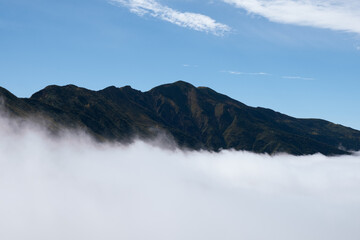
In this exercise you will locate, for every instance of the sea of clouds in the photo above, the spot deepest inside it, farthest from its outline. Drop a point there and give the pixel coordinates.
(70, 187)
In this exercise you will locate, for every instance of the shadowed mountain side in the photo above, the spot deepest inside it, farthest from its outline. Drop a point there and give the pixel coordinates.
(197, 118)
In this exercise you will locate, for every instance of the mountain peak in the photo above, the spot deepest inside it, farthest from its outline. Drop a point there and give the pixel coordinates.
(181, 85)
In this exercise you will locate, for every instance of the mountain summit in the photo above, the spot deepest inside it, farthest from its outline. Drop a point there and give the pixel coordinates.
(196, 118)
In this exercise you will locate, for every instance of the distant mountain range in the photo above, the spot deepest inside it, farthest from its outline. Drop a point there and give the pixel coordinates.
(195, 117)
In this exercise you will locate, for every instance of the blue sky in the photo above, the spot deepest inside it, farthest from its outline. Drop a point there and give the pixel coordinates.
(301, 58)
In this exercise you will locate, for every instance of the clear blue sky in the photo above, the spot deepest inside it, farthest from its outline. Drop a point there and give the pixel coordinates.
(301, 58)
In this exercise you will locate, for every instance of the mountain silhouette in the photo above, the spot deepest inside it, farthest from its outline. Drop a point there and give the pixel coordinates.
(194, 117)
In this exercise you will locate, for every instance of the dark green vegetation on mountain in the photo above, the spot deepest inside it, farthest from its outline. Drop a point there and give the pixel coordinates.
(197, 118)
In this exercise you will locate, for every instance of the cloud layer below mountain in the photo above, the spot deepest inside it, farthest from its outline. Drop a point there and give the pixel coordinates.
(72, 188)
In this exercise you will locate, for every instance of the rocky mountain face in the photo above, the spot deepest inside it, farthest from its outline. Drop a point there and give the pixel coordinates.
(195, 117)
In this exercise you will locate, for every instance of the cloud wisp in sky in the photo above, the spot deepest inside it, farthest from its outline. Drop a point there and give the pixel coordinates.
(267, 74)
(329, 14)
(189, 65)
(195, 21)
(73, 188)
(248, 73)
(298, 78)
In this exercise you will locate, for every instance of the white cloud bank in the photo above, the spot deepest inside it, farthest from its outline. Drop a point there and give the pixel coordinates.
(343, 15)
(71, 188)
(195, 21)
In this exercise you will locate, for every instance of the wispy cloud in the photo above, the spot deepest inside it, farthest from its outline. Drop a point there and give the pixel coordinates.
(247, 73)
(189, 65)
(330, 14)
(268, 74)
(195, 21)
(298, 78)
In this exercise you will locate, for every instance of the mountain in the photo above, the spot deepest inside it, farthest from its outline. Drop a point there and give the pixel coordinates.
(195, 117)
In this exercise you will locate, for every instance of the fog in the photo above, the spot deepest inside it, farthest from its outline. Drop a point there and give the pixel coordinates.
(70, 187)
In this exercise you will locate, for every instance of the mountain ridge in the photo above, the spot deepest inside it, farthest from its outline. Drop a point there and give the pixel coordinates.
(196, 117)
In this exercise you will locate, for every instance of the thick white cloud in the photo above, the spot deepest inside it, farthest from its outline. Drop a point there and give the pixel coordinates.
(195, 21)
(72, 188)
(343, 15)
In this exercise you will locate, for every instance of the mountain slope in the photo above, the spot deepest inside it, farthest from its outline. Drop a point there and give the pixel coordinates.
(197, 118)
